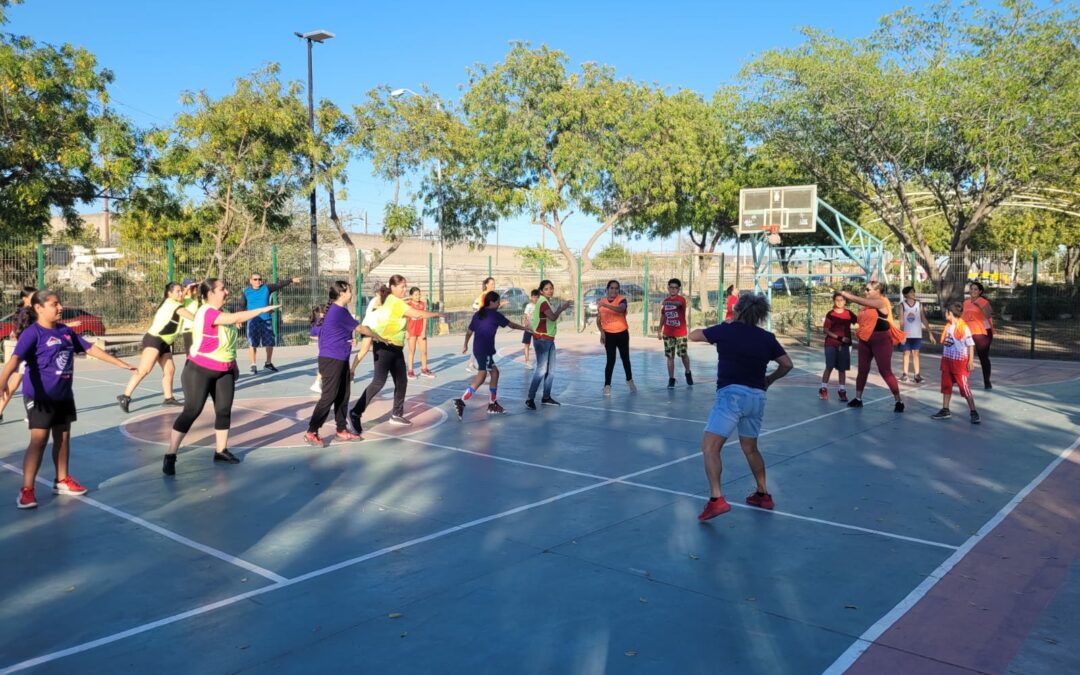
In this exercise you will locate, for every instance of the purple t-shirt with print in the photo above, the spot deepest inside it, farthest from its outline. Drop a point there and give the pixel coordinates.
(335, 337)
(50, 361)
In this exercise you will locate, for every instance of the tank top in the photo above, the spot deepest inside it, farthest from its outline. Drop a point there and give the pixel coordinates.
(212, 347)
(166, 323)
(612, 322)
(911, 319)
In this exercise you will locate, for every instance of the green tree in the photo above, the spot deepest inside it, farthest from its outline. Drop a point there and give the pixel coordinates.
(935, 120)
(59, 144)
(533, 256)
(612, 256)
(242, 156)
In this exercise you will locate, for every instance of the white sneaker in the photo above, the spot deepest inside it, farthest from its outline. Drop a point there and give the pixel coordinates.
(607, 390)
(633, 387)
(529, 366)
(316, 387)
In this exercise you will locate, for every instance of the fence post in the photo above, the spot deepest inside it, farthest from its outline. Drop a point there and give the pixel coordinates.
(809, 310)
(645, 320)
(577, 297)
(40, 263)
(360, 283)
(541, 269)
(489, 266)
(172, 267)
(276, 317)
(720, 291)
(431, 288)
(690, 304)
(1034, 297)
(914, 277)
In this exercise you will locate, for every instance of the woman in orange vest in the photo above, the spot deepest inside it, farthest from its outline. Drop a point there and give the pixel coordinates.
(877, 334)
(614, 333)
(978, 317)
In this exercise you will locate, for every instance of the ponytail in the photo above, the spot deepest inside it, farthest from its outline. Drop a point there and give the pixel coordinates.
(168, 288)
(23, 312)
(38, 298)
(491, 297)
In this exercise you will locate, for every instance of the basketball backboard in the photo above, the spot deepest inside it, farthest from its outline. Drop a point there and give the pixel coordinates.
(793, 208)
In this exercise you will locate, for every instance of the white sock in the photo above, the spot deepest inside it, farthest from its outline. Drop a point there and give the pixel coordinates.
(825, 386)
(842, 388)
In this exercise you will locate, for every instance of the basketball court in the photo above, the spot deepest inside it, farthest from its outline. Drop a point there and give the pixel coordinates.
(564, 540)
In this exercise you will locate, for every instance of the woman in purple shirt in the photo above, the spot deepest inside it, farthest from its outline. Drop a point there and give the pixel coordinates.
(335, 344)
(743, 354)
(49, 347)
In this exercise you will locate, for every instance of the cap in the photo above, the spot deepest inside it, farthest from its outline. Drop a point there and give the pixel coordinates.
(187, 282)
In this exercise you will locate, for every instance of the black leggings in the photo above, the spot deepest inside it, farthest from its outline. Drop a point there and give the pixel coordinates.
(336, 381)
(198, 383)
(389, 360)
(982, 350)
(620, 341)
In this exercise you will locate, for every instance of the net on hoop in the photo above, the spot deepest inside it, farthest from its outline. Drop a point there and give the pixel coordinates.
(773, 234)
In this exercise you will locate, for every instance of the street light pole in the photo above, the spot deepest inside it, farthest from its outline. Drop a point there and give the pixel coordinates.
(398, 93)
(311, 38)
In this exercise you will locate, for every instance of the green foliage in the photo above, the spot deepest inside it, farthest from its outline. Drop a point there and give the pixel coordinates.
(1051, 302)
(58, 145)
(612, 256)
(532, 256)
(934, 120)
(399, 221)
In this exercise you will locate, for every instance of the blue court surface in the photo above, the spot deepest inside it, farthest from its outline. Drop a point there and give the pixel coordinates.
(564, 540)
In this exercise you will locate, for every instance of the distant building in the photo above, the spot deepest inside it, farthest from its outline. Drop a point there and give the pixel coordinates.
(106, 229)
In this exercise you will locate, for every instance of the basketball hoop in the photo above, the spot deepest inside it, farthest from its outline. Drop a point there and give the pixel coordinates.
(773, 234)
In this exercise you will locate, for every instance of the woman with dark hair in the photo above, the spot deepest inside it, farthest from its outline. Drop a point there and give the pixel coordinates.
(335, 343)
(614, 334)
(545, 325)
(210, 371)
(22, 320)
(877, 334)
(191, 304)
(389, 322)
(157, 346)
(978, 315)
(485, 323)
(48, 348)
(417, 334)
(743, 351)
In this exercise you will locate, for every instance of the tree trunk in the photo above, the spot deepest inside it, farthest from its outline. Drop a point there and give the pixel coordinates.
(1072, 264)
(345, 238)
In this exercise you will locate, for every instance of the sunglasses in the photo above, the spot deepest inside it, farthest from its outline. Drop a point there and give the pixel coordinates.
(256, 278)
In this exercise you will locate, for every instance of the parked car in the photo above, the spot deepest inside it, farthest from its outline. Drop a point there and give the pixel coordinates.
(515, 299)
(789, 284)
(82, 322)
(589, 300)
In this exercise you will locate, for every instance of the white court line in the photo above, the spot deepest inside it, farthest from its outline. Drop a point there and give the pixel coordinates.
(857, 648)
(137, 630)
(180, 539)
(808, 519)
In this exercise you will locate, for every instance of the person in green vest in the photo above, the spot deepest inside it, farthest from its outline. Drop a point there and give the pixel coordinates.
(210, 371)
(157, 346)
(389, 322)
(191, 304)
(545, 325)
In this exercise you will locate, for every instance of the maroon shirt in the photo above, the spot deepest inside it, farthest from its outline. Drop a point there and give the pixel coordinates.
(839, 323)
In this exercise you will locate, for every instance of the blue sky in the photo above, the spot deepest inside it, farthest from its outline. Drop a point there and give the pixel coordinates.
(159, 49)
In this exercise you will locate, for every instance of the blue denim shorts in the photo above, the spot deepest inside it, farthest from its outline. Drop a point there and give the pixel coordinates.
(737, 407)
(910, 345)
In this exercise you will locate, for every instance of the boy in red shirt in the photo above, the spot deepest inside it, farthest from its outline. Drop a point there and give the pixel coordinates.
(672, 330)
(837, 346)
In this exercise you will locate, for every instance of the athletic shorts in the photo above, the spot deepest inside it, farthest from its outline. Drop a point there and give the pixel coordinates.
(838, 358)
(45, 414)
(486, 362)
(155, 342)
(260, 333)
(526, 338)
(737, 407)
(415, 328)
(674, 346)
(910, 345)
(955, 372)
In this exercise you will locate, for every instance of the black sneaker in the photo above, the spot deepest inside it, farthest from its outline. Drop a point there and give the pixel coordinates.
(459, 406)
(942, 414)
(547, 400)
(671, 383)
(398, 420)
(689, 378)
(899, 407)
(919, 379)
(271, 367)
(168, 465)
(172, 401)
(975, 417)
(226, 457)
(354, 417)
(495, 409)
(254, 370)
(855, 403)
(530, 404)
(124, 402)
(987, 385)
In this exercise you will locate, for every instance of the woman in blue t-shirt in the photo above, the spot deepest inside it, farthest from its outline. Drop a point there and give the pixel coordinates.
(48, 348)
(743, 354)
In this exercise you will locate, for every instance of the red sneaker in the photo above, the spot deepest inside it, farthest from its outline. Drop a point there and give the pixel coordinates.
(843, 396)
(762, 500)
(348, 436)
(68, 486)
(823, 393)
(412, 374)
(714, 509)
(312, 438)
(26, 499)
